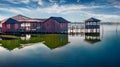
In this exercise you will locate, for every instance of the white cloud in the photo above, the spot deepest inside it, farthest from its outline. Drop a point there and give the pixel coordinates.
(2, 17)
(25, 1)
(18, 1)
(10, 10)
(62, 1)
(78, 0)
(63, 11)
(105, 17)
(40, 2)
(116, 6)
(66, 8)
(114, 2)
(52, 1)
(13, 1)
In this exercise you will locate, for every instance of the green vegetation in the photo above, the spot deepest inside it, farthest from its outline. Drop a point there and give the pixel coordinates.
(55, 40)
(10, 44)
(50, 40)
(9, 36)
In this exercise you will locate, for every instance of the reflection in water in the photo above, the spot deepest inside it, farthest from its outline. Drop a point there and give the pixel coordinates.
(26, 37)
(92, 30)
(78, 53)
(55, 40)
(92, 37)
(50, 40)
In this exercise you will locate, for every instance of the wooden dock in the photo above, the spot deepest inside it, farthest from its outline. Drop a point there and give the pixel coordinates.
(76, 28)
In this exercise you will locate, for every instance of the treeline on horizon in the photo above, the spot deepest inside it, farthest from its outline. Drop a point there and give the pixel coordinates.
(100, 22)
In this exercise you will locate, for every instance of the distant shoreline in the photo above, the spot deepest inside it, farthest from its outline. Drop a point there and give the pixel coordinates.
(100, 23)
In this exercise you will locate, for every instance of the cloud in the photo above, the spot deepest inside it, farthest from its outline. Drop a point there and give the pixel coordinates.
(2, 17)
(105, 17)
(10, 10)
(51, 9)
(25, 1)
(63, 10)
(62, 1)
(40, 2)
(116, 6)
(18, 1)
(114, 2)
(52, 1)
(78, 0)
(13, 1)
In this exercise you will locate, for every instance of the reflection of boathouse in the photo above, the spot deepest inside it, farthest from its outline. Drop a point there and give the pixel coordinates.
(92, 30)
(26, 37)
(55, 40)
(52, 41)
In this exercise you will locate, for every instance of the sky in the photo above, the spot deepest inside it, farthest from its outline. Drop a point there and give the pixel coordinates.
(72, 10)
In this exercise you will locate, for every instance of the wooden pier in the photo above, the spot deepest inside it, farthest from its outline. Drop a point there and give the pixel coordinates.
(76, 28)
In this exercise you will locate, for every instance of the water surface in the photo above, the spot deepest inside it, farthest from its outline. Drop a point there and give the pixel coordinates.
(62, 50)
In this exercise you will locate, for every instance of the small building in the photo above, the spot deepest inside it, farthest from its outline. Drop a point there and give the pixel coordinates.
(92, 30)
(10, 25)
(92, 25)
(0, 27)
(56, 25)
(92, 37)
(29, 24)
(33, 25)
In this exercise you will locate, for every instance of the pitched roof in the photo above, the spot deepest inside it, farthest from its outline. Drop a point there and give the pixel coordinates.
(59, 19)
(40, 20)
(92, 20)
(10, 21)
(21, 17)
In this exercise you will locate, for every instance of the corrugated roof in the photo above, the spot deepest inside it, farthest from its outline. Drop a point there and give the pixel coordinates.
(59, 19)
(92, 20)
(40, 20)
(10, 21)
(21, 17)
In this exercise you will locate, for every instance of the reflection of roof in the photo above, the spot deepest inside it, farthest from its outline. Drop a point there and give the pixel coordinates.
(53, 41)
(92, 34)
(59, 19)
(92, 20)
(55, 45)
(92, 41)
(9, 20)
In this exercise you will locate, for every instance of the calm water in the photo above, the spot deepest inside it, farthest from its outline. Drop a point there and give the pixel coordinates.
(62, 50)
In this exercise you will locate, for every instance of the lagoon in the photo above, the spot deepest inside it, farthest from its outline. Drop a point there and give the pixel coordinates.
(62, 50)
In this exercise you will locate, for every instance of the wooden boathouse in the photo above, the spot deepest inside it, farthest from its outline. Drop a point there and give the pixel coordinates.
(22, 24)
(92, 30)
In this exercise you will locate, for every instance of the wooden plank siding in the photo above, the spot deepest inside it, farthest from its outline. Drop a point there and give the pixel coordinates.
(10, 28)
(50, 25)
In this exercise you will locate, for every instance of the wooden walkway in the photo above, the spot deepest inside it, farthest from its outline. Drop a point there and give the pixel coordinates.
(76, 28)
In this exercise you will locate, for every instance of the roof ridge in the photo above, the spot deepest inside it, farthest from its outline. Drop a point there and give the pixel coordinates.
(21, 17)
